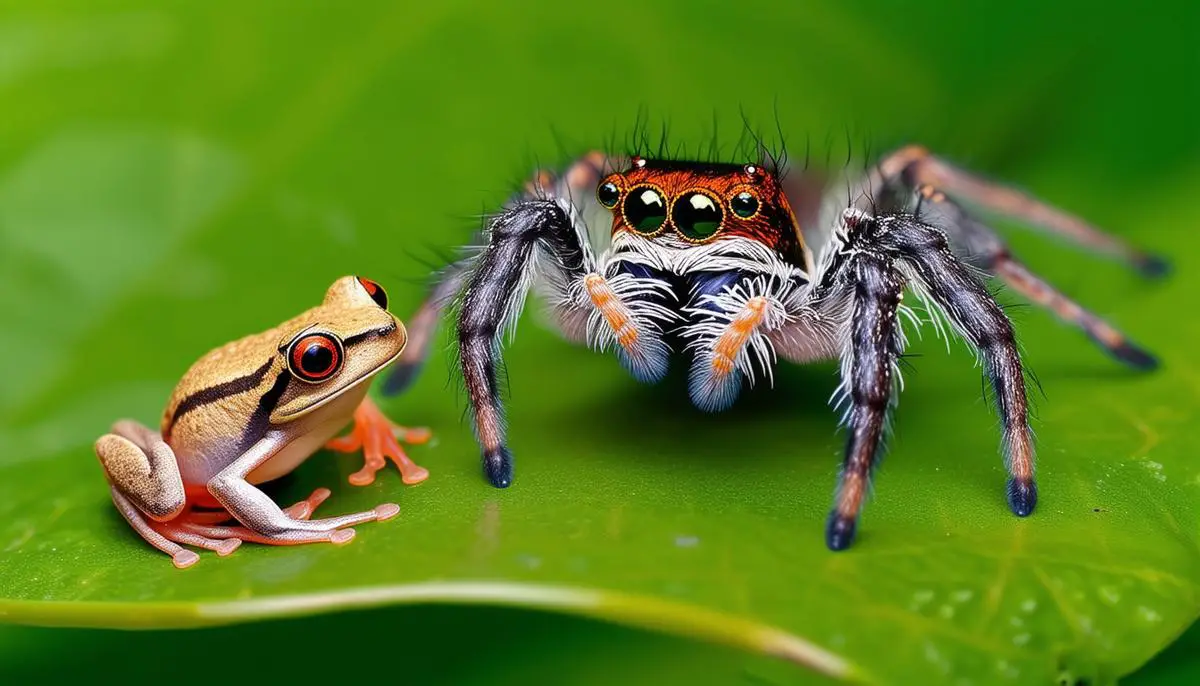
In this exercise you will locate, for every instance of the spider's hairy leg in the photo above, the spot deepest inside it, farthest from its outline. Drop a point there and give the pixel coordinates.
(924, 257)
(869, 378)
(914, 166)
(985, 249)
(494, 295)
(618, 305)
(422, 327)
(578, 180)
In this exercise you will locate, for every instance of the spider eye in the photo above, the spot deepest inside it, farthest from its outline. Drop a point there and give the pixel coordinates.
(315, 357)
(645, 210)
(744, 204)
(608, 194)
(375, 291)
(697, 216)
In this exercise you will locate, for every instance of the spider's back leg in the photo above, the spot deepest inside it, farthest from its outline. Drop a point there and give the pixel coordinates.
(422, 327)
(914, 166)
(982, 248)
(913, 174)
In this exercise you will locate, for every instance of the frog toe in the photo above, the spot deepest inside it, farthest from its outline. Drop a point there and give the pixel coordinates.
(386, 511)
(185, 558)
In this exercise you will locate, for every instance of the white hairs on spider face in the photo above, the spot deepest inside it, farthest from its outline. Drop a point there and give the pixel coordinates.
(676, 256)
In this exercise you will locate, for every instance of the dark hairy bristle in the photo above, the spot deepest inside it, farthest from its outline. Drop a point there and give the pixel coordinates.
(751, 147)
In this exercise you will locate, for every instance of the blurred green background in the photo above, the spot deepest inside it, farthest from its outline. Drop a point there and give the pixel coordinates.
(175, 174)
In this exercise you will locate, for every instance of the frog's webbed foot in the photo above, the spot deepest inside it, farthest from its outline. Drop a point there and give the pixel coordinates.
(380, 439)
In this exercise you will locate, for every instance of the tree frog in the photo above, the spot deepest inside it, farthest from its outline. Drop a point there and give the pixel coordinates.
(252, 411)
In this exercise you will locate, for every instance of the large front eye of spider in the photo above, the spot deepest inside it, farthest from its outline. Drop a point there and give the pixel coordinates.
(315, 357)
(645, 209)
(374, 290)
(697, 216)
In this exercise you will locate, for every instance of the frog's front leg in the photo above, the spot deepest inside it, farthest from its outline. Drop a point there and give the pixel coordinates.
(379, 439)
(264, 520)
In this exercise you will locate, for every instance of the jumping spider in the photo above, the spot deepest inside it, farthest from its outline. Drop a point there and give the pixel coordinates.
(730, 265)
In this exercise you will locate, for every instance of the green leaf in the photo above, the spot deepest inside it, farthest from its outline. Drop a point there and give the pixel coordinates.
(422, 645)
(171, 179)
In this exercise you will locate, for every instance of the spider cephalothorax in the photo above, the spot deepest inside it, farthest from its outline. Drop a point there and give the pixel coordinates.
(709, 263)
(703, 202)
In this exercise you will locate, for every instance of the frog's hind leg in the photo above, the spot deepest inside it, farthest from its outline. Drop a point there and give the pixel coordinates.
(178, 532)
(179, 555)
(301, 510)
(208, 517)
(140, 464)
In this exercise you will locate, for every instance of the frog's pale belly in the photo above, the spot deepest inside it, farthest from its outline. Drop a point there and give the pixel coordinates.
(201, 464)
(315, 431)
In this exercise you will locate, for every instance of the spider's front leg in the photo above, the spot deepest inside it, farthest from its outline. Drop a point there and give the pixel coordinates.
(535, 240)
(578, 180)
(884, 253)
(868, 380)
(987, 251)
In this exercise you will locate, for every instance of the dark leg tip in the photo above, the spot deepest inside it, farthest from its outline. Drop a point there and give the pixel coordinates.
(1153, 266)
(1022, 496)
(498, 467)
(399, 378)
(1135, 357)
(839, 532)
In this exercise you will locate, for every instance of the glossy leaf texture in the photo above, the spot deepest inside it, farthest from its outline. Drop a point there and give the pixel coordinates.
(172, 177)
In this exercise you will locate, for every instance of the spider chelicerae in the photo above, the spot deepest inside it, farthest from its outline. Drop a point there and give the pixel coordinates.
(730, 266)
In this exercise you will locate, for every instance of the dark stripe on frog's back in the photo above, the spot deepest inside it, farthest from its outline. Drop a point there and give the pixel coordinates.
(212, 394)
(260, 421)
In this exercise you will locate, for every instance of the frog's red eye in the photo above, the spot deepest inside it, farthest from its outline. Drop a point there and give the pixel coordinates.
(374, 290)
(315, 357)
